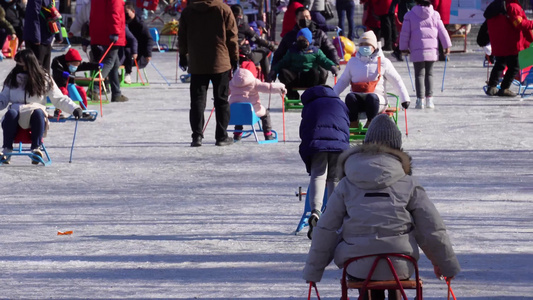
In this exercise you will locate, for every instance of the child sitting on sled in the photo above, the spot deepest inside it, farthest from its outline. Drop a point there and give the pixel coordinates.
(378, 207)
(245, 87)
(64, 67)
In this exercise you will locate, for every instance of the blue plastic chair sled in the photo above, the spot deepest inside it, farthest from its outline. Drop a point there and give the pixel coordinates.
(242, 113)
(304, 220)
(88, 115)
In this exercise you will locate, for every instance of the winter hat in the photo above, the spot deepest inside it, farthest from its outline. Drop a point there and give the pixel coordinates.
(73, 55)
(382, 130)
(370, 38)
(306, 34)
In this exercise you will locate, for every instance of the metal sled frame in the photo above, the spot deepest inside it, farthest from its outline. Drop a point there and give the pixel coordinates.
(395, 284)
(358, 133)
(26, 151)
(304, 220)
(243, 113)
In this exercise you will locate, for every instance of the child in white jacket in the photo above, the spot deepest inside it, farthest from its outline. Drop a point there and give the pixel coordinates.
(369, 67)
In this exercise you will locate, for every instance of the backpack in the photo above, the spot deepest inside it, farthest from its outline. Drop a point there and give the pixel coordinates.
(483, 35)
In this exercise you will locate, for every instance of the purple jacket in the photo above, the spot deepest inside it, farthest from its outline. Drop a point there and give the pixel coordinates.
(420, 30)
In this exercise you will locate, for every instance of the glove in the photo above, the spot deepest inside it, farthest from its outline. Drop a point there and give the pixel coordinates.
(234, 65)
(335, 71)
(183, 62)
(65, 75)
(272, 47)
(77, 113)
(100, 66)
(113, 38)
(406, 104)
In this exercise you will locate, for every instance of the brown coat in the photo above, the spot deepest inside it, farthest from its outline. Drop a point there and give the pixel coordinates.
(208, 34)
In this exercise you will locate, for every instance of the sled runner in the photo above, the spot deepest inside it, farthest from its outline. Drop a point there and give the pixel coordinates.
(242, 113)
(24, 137)
(87, 115)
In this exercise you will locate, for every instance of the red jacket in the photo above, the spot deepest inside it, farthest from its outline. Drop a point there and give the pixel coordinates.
(443, 7)
(107, 18)
(510, 33)
(289, 18)
(381, 7)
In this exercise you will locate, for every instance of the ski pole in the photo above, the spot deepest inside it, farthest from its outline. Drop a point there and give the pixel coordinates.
(138, 71)
(283, 113)
(73, 140)
(406, 129)
(269, 96)
(409, 70)
(159, 73)
(444, 74)
(340, 44)
(177, 55)
(450, 291)
(108, 48)
(208, 119)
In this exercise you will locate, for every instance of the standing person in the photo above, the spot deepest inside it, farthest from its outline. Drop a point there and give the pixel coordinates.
(509, 33)
(108, 24)
(325, 133)
(346, 8)
(388, 23)
(379, 207)
(365, 73)
(421, 31)
(208, 35)
(40, 26)
(145, 42)
(14, 12)
(26, 88)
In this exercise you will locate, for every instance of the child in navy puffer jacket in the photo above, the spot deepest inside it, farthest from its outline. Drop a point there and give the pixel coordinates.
(325, 131)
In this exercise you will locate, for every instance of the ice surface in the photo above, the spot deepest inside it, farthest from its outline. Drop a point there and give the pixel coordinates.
(155, 218)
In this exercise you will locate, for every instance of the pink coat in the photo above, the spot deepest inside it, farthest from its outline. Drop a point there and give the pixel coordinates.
(421, 30)
(244, 87)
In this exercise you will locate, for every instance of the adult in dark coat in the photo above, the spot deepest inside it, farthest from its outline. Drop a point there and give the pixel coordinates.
(325, 133)
(37, 35)
(320, 39)
(15, 15)
(145, 42)
(107, 26)
(208, 35)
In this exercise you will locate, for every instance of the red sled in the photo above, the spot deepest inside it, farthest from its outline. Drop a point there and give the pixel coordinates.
(9, 48)
(148, 4)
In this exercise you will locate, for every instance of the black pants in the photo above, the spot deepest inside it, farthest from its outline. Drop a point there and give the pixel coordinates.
(10, 127)
(362, 102)
(43, 54)
(310, 78)
(265, 121)
(111, 65)
(388, 31)
(198, 90)
(513, 69)
(260, 57)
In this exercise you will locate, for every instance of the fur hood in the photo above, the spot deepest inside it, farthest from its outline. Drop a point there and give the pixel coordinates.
(372, 166)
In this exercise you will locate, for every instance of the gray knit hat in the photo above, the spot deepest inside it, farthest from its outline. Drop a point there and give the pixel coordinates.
(382, 130)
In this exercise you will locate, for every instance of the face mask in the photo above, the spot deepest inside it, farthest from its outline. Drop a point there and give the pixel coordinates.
(304, 23)
(128, 18)
(72, 68)
(302, 44)
(365, 50)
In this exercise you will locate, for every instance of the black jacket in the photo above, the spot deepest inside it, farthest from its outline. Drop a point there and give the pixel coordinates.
(320, 40)
(246, 35)
(59, 65)
(143, 36)
(14, 12)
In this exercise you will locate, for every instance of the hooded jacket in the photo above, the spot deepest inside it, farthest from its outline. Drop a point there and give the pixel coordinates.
(325, 125)
(245, 87)
(60, 65)
(378, 207)
(107, 18)
(363, 69)
(320, 40)
(208, 34)
(509, 28)
(421, 30)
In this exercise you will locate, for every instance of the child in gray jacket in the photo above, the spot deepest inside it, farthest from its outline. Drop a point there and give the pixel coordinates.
(378, 207)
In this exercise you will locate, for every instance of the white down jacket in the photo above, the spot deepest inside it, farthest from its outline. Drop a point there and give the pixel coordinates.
(363, 69)
(378, 207)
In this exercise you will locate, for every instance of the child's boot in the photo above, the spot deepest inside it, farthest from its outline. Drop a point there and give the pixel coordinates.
(419, 103)
(269, 135)
(237, 136)
(429, 102)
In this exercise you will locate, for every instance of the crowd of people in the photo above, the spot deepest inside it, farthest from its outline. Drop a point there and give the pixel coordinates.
(218, 46)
